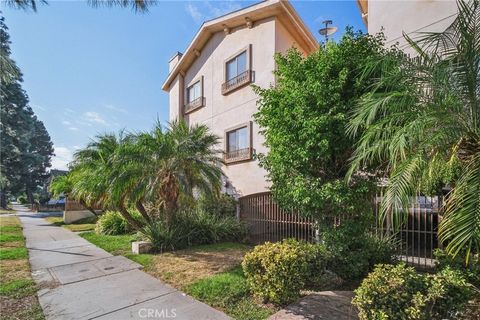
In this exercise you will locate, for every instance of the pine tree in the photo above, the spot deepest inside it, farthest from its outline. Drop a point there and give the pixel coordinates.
(25, 146)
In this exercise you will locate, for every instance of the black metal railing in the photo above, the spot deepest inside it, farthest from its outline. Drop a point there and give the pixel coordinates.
(193, 105)
(238, 155)
(234, 83)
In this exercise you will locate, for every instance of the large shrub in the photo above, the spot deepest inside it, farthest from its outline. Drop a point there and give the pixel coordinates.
(471, 271)
(304, 117)
(399, 292)
(193, 227)
(221, 205)
(278, 271)
(113, 223)
(354, 251)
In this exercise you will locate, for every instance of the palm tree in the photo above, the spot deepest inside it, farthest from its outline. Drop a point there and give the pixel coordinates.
(420, 125)
(95, 175)
(178, 163)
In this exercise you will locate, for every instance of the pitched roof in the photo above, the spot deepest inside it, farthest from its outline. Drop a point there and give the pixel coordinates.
(282, 9)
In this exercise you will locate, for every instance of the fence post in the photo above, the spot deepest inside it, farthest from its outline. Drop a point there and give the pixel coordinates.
(237, 206)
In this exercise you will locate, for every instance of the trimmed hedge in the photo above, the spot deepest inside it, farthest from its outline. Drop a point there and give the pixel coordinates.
(276, 272)
(399, 292)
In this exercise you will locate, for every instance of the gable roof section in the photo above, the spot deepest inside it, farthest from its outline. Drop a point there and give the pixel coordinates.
(278, 8)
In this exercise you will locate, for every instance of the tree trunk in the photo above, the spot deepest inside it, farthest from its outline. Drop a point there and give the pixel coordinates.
(83, 203)
(142, 211)
(134, 223)
(3, 199)
(29, 193)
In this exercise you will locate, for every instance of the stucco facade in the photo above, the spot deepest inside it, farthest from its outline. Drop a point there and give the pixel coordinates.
(411, 17)
(260, 31)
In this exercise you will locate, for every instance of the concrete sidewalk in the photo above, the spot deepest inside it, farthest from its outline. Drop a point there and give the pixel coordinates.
(78, 280)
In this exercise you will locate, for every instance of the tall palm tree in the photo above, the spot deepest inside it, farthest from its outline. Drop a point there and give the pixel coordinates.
(178, 162)
(421, 124)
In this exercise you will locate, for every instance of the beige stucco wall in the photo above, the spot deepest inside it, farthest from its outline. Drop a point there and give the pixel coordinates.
(410, 17)
(222, 112)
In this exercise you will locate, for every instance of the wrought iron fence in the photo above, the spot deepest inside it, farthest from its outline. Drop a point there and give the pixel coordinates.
(416, 238)
(266, 221)
(416, 235)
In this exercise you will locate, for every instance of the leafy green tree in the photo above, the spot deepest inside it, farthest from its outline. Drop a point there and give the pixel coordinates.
(25, 145)
(421, 123)
(304, 117)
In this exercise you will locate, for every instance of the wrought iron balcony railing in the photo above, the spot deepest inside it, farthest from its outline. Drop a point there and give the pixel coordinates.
(237, 82)
(193, 105)
(238, 155)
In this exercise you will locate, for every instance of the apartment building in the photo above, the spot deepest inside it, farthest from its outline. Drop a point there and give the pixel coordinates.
(396, 17)
(210, 83)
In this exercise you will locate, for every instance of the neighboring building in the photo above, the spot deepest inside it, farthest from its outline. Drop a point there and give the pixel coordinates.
(410, 17)
(210, 82)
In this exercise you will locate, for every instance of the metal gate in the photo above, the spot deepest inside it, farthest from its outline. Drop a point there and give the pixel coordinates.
(266, 221)
(416, 238)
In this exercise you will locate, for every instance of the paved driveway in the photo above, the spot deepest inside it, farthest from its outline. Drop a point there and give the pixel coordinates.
(81, 281)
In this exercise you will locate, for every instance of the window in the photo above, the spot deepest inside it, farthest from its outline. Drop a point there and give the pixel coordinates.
(238, 143)
(237, 66)
(237, 71)
(237, 139)
(194, 92)
(194, 96)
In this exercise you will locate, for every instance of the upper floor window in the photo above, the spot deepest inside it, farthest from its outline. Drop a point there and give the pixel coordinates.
(237, 66)
(237, 71)
(194, 96)
(238, 143)
(194, 92)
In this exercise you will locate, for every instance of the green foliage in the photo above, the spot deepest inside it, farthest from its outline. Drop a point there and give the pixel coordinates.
(471, 272)
(22, 199)
(18, 289)
(114, 244)
(278, 271)
(304, 118)
(399, 292)
(229, 292)
(195, 227)
(354, 251)
(220, 205)
(113, 223)
(13, 253)
(420, 125)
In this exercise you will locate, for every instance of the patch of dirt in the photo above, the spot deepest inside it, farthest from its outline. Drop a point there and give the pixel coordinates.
(185, 267)
(25, 308)
(9, 221)
(14, 270)
(12, 244)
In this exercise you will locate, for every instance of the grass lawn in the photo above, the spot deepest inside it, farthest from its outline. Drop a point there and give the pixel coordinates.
(210, 273)
(87, 224)
(18, 298)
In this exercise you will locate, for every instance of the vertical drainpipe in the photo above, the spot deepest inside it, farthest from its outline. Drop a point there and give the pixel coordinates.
(181, 94)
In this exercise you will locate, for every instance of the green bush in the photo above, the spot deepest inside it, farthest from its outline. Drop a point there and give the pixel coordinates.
(22, 199)
(193, 227)
(276, 272)
(113, 223)
(222, 205)
(399, 292)
(471, 271)
(354, 251)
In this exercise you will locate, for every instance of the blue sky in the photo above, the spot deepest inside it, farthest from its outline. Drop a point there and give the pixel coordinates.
(89, 71)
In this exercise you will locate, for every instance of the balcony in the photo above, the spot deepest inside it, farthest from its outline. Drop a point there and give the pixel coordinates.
(237, 155)
(237, 82)
(194, 105)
